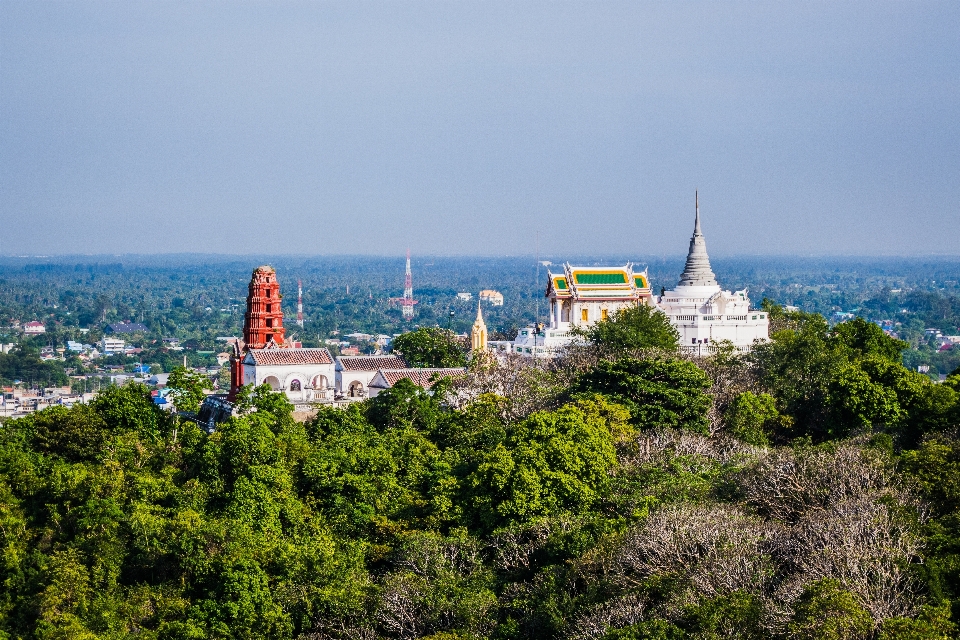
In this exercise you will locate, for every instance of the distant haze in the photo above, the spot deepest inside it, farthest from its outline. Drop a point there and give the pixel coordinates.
(485, 128)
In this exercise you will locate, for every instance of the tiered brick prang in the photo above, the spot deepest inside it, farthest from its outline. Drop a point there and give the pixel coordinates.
(263, 321)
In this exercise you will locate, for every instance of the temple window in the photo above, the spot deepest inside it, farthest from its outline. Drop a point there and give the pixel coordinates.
(603, 314)
(269, 322)
(584, 314)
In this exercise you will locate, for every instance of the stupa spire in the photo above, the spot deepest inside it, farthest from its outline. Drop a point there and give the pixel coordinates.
(697, 271)
(478, 335)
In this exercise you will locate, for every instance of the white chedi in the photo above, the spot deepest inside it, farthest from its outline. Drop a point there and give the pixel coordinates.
(702, 312)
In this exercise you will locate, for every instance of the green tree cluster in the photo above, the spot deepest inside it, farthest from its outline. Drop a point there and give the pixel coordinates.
(818, 500)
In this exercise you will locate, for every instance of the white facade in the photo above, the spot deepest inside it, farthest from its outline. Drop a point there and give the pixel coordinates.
(304, 375)
(492, 297)
(110, 346)
(34, 328)
(702, 312)
(354, 373)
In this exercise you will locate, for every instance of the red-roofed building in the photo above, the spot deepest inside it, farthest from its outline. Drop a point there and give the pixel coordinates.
(386, 378)
(305, 375)
(34, 328)
(354, 373)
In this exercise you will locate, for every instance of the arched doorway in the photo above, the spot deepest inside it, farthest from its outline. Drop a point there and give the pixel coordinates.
(356, 389)
(320, 382)
(272, 381)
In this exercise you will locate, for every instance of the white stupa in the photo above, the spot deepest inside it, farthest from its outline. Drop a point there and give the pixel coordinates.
(702, 312)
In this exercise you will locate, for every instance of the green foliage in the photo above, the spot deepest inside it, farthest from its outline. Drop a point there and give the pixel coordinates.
(826, 611)
(551, 463)
(750, 417)
(650, 630)
(866, 339)
(24, 364)
(659, 393)
(187, 389)
(633, 329)
(831, 383)
(75, 434)
(130, 408)
(933, 623)
(431, 347)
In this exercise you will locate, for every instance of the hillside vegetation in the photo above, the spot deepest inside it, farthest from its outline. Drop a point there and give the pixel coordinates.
(808, 490)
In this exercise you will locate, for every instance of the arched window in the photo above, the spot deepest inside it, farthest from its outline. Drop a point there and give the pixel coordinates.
(320, 382)
(356, 389)
(295, 385)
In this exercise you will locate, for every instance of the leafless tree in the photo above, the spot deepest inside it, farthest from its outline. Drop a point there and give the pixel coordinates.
(717, 548)
(525, 384)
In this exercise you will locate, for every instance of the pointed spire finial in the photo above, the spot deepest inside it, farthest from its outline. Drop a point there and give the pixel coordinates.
(479, 317)
(696, 224)
(697, 271)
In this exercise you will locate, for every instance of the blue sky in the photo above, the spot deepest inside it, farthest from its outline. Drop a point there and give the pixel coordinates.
(479, 128)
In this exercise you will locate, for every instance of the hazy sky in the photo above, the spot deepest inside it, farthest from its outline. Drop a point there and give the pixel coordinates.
(475, 127)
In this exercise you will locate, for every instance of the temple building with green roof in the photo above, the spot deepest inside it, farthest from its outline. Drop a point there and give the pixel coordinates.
(579, 297)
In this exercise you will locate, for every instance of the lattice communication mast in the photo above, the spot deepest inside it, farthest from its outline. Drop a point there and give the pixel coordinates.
(408, 301)
(299, 302)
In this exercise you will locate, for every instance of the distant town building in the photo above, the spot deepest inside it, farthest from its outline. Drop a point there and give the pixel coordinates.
(702, 312)
(34, 328)
(126, 327)
(491, 297)
(110, 346)
(360, 337)
(466, 296)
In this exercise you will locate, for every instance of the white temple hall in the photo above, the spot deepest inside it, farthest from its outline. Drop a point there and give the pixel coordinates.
(702, 312)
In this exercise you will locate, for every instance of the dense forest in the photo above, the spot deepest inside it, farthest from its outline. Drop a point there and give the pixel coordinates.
(625, 491)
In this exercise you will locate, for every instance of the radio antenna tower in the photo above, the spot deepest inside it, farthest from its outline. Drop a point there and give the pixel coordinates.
(299, 302)
(408, 301)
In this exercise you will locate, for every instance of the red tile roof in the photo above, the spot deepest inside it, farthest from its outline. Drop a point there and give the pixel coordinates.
(370, 363)
(290, 356)
(420, 377)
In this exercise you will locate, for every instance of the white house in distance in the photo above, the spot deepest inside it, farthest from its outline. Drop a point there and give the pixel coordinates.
(354, 373)
(33, 328)
(303, 374)
(492, 297)
(702, 312)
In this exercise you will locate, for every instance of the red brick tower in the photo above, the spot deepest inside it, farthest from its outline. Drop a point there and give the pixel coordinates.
(263, 319)
(262, 323)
